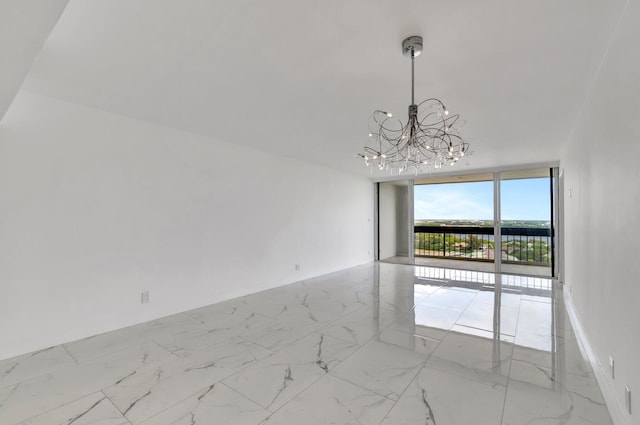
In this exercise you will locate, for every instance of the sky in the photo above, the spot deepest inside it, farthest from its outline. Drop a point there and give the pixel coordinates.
(523, 199)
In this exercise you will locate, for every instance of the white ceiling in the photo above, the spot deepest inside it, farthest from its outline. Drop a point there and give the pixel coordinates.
(24, 27)
(300, 77)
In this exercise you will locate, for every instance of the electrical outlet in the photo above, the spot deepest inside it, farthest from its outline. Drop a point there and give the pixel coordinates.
(144, 297)
(627, 398)
(297, 266)
(611, 368)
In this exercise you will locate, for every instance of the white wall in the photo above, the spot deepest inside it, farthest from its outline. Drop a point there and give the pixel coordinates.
(402, 218)
(388, 219)
(393, 219)
(95, 208)
(602, 215)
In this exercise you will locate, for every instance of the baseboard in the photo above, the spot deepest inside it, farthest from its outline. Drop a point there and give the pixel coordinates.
(616, 410)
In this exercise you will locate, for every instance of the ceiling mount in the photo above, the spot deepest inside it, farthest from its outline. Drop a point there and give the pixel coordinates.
(412, 44)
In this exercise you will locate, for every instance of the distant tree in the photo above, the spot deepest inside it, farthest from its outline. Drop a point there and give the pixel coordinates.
(474, 243)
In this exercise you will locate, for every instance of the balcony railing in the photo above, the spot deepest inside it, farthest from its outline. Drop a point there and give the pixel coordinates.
(520, 245)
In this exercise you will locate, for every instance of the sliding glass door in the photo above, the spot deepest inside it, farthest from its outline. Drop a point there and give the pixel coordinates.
(454, 221)
(502, 221)
(526, 222)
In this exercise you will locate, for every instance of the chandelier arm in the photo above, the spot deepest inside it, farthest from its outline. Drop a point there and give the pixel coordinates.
(433, 99)
(430, 124)
(368, 150)
(380, 112)
(454, 137)
(450, 121)
(441, 115)
(382, 125)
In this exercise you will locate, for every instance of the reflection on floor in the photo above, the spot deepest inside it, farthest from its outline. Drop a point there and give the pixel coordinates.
(375, 344)
(480, 266)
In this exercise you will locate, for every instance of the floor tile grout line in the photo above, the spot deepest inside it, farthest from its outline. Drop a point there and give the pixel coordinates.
(57, 407)
(244, 338)
(115, 407)
(98, 357)
(354, 342)
(395, 402)
(69, 353)
(364, 388)
(321, 376)
(175, 358)
(4, 387)
(590, 375)
(245, 366)
(234, 372)
(203, 388)
(245, 396)
(219, 381)
(363, 345)
(506, 389)
(134, 341)
(44, 373)
(162, 347)
(273, 412)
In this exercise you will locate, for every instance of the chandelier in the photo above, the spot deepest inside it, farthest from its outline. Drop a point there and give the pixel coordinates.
(429, 140)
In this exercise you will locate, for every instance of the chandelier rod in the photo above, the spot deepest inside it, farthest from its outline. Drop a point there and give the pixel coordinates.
(412, 78)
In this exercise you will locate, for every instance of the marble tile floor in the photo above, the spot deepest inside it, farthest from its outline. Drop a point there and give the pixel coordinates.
(375, 344)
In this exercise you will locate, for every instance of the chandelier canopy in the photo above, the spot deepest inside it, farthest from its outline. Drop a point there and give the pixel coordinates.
(429, 140)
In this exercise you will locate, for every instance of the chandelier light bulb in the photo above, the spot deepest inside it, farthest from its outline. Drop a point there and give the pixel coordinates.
(429, 139)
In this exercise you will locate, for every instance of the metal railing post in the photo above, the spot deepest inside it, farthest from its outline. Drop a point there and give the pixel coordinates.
(444, 245)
